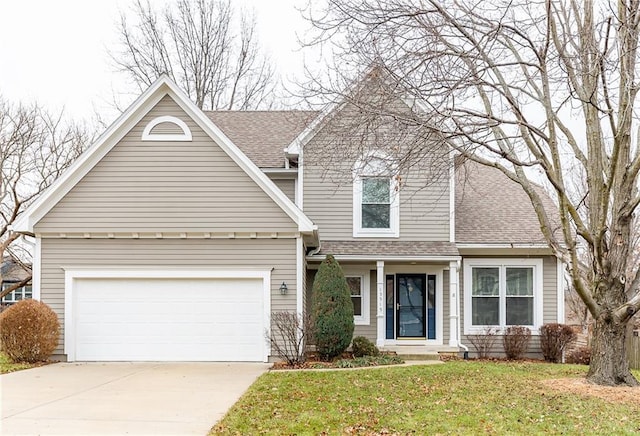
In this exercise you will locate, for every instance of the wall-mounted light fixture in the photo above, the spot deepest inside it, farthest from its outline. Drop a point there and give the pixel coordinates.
(283, 288)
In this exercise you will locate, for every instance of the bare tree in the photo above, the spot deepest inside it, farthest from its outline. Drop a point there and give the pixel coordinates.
(535, 89)
(203, 46)
(35, 148)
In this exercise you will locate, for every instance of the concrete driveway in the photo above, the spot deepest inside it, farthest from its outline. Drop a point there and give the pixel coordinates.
(122, 398)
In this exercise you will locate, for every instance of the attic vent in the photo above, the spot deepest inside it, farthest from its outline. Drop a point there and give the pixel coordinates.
(166, 128)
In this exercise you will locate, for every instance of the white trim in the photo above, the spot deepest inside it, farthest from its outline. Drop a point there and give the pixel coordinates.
(373, 257)
(365, 291)
(70, 275)
(300, 182)
(363, 169)
(160, 88)
(380, 304)
(454, 303)
(36, 270)
(394, 212)
(299, 277)
(184, 136)
(427, 270)
(502, 263)
(560, 289)
(501, 245)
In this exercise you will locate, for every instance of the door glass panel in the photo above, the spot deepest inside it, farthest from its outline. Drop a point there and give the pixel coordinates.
(390, 307)
(411, 305)
(431, 307)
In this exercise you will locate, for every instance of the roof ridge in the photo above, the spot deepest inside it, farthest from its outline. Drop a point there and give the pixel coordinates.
(269, 111)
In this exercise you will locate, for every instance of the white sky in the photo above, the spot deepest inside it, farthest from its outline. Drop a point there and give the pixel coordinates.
(56, 51)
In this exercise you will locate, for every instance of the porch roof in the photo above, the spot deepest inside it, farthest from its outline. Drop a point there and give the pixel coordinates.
(388, 249)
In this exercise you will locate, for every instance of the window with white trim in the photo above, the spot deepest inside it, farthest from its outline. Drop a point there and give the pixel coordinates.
(23, 293)
(375, 201)
(502, 293)
(359, 290)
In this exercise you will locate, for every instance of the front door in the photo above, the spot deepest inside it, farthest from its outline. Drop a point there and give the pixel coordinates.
(415, 306)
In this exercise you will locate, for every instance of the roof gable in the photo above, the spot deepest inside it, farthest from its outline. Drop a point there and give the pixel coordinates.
(149, 99)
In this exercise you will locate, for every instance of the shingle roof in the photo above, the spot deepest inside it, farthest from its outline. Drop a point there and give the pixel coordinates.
(262, 135)
(389, 248)
(491, 208)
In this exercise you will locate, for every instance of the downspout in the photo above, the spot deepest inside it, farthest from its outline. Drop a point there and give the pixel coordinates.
(460, 344)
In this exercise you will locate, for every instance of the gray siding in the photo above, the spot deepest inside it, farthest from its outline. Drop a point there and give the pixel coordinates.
(328, 200)
(276, 254)
(549, 300)
(151, 186)
(445, 308)
(288, 186)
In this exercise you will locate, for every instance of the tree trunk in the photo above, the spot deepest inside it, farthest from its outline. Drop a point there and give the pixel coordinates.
(609, 364)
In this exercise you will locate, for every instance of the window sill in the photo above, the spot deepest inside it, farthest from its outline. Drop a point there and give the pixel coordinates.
(390, 233)
(360, 321)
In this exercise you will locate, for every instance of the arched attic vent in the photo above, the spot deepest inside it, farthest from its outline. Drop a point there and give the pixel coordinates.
(166, 128)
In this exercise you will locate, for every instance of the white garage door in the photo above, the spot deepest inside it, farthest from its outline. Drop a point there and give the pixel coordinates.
(168, 319)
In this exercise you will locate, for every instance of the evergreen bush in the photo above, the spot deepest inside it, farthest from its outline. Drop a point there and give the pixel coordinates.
(364, 347)
(332, 310)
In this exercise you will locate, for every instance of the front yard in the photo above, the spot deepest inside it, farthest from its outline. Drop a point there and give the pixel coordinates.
(457, 397)
(6, 365)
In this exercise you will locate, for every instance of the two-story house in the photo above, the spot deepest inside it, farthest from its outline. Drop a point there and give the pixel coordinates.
(179, 232)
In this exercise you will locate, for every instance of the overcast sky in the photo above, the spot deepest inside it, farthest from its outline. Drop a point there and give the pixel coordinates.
(56, 51)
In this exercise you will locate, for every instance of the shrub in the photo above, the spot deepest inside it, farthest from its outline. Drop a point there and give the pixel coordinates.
(29, 331)
(332, 310)
(364, 347)
(581, 356)
(554, 338)
(288, 336)
(516, 341)
(484, 341)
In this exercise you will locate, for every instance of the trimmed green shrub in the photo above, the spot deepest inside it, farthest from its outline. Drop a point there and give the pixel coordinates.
(554, 338)
(332, 310)
(29, 331)
(364, 347)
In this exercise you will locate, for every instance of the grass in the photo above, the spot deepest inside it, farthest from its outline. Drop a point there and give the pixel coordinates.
(6, 365)
(454, 398)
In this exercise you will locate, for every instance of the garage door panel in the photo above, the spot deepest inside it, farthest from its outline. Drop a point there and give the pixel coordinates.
(169, 319)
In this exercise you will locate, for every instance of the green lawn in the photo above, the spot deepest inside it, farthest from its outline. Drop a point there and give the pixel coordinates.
(6, 365)
(454, 398)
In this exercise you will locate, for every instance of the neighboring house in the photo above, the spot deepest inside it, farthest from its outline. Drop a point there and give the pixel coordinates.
(12, 273)
(180, 232)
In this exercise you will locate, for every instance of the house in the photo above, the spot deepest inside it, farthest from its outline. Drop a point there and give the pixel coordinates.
(179, 232)
(11, 274)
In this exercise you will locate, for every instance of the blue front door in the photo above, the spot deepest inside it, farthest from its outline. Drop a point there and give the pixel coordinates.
(415, 312)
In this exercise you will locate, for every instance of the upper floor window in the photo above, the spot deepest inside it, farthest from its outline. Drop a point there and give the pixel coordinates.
(375, 201)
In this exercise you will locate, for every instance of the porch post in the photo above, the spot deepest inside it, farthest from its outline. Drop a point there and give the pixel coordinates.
(380, 336)
(454, 303)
